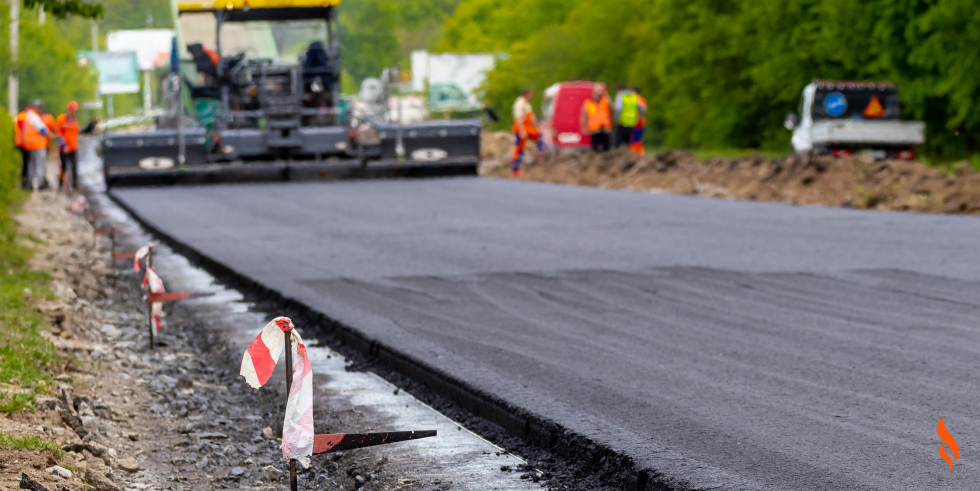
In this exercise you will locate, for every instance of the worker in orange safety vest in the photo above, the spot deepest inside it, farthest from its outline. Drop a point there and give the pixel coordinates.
(636, 142)
(25, 155)
(525, 128)
(596, 121)
(35, 137)
(50, 123)
(66, 127)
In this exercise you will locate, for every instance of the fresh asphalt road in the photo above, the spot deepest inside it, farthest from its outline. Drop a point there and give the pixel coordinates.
(721, 344)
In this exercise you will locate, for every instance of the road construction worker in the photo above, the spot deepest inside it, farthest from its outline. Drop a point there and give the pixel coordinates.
(525, 128)
(66, 127)
(34, 138)
(627, 114)
(636, 142)
(25, 155)
(595, 119)
(49, 121)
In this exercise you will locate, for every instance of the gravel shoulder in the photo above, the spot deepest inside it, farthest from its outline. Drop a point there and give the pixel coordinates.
(179, 416)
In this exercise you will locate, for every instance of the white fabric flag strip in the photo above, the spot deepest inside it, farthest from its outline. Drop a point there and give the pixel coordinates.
(78, 205)
(156, 286)
(140, 254)
(259, 362)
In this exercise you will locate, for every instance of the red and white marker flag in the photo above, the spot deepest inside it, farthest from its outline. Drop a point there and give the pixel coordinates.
(156, 286)
(140, 254)
(257, 366)
(78, 204)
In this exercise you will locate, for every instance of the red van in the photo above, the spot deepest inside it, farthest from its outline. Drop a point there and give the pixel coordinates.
(562, 112)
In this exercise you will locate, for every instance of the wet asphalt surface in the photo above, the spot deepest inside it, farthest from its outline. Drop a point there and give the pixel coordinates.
(721, 345)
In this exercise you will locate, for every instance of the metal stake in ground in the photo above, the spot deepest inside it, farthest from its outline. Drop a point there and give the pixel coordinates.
(289, 384)
(112, 259)
(149, 306)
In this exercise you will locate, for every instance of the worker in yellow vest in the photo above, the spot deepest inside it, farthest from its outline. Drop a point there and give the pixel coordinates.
(595, 120)
(525, 128)
(636, 142)
(627, 115)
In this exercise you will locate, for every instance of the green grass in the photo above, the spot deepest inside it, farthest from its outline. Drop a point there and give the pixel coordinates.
(10, 403)
(733, 153)
(25, 355)
(30, 443)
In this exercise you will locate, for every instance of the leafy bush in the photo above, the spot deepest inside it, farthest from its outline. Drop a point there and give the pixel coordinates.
(723, 74)
(9, 160)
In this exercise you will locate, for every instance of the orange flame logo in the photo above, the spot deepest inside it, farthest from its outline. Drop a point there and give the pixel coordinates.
(949, 441)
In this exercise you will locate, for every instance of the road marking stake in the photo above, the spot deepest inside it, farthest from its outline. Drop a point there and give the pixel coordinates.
(78, 205)
(299, 442)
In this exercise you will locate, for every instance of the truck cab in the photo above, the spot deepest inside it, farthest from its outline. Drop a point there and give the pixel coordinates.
(844, 117)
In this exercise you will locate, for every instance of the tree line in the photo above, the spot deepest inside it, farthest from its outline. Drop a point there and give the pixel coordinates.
(724, 73)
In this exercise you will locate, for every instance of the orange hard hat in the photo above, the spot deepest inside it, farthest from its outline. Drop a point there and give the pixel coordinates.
(72, 106)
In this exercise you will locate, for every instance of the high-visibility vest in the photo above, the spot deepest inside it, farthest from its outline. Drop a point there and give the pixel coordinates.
(19, 129)
(631, 110)
(31, 138)
(68, 130)
(50, 123)
(598, 114)
(527, 122)
(642, 122)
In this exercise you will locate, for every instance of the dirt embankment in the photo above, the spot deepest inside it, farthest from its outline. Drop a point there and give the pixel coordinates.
(856, 182)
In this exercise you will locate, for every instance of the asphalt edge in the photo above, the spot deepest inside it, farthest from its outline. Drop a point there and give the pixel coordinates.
(518, 422)
(289, 172)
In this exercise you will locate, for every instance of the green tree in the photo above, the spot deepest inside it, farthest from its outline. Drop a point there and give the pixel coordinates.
(724, 73)
(47, 67)
(368, 34)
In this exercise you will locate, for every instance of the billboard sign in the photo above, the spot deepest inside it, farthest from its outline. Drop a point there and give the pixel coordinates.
(152, 46)
(118, 73)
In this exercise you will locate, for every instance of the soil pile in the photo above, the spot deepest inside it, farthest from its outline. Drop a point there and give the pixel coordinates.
(856, 182)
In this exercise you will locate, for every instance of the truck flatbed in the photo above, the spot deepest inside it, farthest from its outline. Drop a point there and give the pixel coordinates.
(876, 132)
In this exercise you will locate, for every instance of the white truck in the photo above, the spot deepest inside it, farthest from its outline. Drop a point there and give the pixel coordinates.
(844, 117)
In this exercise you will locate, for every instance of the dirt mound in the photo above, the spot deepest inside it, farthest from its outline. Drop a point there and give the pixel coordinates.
(856, 182)
(495, 145)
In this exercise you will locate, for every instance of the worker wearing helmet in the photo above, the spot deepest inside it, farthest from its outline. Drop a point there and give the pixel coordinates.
(596, 120)
(34, 138)
(525, 128)
(67, 129)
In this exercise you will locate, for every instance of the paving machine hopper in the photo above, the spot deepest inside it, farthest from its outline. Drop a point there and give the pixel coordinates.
(253, 93)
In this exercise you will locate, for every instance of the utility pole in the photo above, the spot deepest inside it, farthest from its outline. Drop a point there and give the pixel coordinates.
(147, 91)
(12, 87)
(95, 36)
(95, 51)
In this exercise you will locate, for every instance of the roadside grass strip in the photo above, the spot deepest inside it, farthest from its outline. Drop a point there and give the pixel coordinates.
(12, 402)
(24, 353)
(30, 443)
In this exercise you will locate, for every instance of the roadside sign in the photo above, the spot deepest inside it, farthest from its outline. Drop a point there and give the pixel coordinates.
(152, 46)
(118, 73)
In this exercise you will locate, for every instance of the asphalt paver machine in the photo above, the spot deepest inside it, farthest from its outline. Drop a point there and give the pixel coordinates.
(258, 82)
